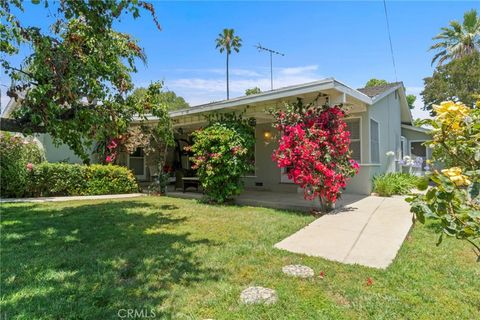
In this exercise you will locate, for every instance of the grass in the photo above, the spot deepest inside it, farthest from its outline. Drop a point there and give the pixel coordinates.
(184, 260)
(389, 184)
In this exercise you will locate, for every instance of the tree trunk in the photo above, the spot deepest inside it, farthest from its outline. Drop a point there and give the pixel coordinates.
(325, 205)
(228, 88)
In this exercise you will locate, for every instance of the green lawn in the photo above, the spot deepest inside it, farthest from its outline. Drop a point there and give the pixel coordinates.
(88, 259)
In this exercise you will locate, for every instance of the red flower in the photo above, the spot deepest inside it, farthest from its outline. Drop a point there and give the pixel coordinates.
(109, 159)
(321, 275)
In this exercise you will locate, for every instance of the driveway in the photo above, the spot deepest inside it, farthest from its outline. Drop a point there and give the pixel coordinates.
(368, 232)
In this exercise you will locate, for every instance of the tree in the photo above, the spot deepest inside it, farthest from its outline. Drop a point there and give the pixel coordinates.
(453, 201)
(459, 80)
(411, 100)
(227, 41)
(169, 98)
(314, 146)
(75, 75)
(255, 90)
(375, 82)
(458, 39)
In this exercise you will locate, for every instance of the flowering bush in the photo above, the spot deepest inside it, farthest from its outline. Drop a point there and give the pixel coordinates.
(18, 156)
(314, 144)
(221, 156)
(454, 200)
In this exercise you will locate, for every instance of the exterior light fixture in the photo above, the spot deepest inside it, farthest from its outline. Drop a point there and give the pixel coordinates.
(267, 136)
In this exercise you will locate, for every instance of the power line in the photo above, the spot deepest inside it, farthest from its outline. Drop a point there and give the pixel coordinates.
(272, 52)
(390, 39)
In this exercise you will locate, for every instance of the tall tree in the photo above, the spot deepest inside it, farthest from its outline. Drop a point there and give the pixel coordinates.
(226, 41)
(75, 75)
(458, 39)
(458, 80)
(168, 98)
(375, 82)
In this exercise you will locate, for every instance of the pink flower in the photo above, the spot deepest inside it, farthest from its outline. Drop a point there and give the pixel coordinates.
(29, 166)
(109, 159)
(112, 145)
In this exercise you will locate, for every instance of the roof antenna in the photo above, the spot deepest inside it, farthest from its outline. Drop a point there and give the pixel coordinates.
(272, 52)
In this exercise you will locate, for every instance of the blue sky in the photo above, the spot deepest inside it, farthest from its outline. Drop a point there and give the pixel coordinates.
(345, 40)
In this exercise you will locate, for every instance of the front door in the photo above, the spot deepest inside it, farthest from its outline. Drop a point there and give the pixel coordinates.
(136, 163)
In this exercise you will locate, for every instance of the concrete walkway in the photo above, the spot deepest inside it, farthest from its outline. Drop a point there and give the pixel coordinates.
(61, 199)
(368, 232)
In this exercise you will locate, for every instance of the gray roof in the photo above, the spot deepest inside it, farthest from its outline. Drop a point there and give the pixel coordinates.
(377, 90)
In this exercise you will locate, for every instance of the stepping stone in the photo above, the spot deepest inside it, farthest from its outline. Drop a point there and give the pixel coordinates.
(258, 295)
(299, 271)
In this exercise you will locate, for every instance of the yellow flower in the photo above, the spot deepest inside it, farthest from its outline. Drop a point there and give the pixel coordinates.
(455, 175)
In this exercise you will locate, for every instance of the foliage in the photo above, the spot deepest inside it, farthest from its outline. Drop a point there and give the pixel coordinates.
(458, 39)
(17, 155)
(64, 179)
(222, 155)
(459, 80)
(454, 201)
(254, 90)
(57, 179)
(76, 73)
(167, 98)
(389, 184)
(109, 179)
(161, 239)
(411, 100)
(314, 144)
(228, 41)
(375, 82)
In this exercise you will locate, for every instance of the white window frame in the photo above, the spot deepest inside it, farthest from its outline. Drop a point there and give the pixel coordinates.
(144, 175)
(360, 135)
(370, 140)
(404, 147)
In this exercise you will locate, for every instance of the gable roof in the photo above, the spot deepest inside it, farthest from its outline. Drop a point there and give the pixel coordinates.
(372, 92)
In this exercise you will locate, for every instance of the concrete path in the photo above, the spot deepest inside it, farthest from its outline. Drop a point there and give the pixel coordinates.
(368, 232)
(60, 199)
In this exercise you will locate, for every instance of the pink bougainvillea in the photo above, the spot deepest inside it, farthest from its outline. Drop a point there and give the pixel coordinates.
(314, 146)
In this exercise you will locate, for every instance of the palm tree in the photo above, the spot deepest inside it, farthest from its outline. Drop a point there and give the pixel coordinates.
(227, 41)
(458, 40)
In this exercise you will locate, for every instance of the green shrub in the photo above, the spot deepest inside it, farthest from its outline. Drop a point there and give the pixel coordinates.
(64, 179)
(58, 179)
(110, 179)
(389, 184)
(16, 152)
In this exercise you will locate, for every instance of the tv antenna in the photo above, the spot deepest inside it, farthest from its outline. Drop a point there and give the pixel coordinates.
(271, 52)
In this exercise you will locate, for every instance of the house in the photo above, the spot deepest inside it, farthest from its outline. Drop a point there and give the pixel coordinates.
(379, 120)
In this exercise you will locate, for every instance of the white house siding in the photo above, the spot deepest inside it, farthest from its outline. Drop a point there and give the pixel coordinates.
(61, 153)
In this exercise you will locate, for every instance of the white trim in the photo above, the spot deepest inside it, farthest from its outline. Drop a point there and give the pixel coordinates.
(360, 134)
(370, 139)
(369, 164)
(144, 175)
(417, 129)
(404, 149)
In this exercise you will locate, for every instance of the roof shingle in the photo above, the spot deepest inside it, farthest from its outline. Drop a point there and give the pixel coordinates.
(375, 91)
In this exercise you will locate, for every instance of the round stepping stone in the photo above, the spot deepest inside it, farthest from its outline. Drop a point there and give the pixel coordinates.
(258, 295)
(299, 271)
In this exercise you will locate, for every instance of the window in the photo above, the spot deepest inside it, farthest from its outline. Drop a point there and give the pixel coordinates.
(374, 142)
(355, 145)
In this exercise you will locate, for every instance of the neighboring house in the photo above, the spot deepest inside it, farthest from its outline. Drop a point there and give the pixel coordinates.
(379, 120)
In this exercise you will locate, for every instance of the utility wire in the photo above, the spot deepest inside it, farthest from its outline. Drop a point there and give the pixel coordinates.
(390, 39)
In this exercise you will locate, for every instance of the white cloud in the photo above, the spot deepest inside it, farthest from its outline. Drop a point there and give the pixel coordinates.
(203, 89)
(299, 70)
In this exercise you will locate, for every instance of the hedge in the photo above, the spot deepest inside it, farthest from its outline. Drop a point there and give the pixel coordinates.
(63, 179)
(16, 153)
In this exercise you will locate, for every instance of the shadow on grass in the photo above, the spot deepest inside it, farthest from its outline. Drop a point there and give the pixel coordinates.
(90, 261)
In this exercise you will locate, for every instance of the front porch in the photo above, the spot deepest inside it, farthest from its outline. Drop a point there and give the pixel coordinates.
(277, 200)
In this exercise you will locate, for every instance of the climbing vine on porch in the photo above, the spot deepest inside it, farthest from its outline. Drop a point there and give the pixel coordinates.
(314, 146)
